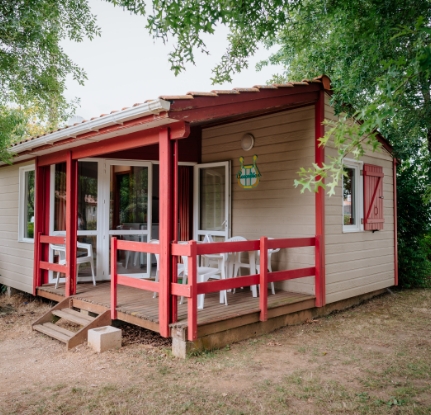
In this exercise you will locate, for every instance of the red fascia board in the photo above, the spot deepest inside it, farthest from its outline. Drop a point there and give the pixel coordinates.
(227, 99)
(118, 143)
(93, 134)
(225, 106)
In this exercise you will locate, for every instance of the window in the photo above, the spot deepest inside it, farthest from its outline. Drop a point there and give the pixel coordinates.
(352, 196)
(26, 204)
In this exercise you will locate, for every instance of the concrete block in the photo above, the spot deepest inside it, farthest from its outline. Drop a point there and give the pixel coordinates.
(104, 338)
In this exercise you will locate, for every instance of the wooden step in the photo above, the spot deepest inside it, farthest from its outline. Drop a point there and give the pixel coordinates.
(53, 331)
(78, 314)
(73, 316)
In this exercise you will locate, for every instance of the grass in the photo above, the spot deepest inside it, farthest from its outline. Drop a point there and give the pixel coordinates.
(372, 359)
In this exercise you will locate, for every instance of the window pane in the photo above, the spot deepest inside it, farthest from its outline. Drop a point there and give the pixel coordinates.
(212, 198)
(87, 195)
(349, 196)
(60, 197)
(129, 198)
(29, 205)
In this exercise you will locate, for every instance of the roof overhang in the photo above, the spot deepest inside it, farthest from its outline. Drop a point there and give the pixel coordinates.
(138, 118)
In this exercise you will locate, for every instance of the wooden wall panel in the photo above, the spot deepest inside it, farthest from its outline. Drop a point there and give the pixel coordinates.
(284, 142)
(16, 258)
(358, 262)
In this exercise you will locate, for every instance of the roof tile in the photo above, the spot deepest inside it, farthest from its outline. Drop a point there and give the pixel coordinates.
(225, 91)
(265, 86)
(202, 94)
(246, 89)
(175, 97)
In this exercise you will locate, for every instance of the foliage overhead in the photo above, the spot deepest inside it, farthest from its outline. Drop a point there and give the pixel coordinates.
(376, 52)
(33, 65)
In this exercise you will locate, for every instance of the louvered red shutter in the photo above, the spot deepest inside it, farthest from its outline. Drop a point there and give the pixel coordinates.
(373, 197)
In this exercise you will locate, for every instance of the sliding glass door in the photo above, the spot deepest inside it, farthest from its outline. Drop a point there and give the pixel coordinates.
(128, 213)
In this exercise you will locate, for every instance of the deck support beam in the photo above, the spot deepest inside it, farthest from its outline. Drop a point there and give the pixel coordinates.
(320, 284)
(71, 223)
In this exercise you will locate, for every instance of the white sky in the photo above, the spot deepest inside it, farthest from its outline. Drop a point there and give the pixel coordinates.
(125, 65)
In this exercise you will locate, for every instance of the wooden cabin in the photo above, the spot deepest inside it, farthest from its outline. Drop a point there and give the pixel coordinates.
(135, 196)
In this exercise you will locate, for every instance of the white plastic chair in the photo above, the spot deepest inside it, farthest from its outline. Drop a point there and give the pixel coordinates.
(270, 252)
(135, 254)
(180, 267)
(234, 264)
(204, 274)
(61, 249)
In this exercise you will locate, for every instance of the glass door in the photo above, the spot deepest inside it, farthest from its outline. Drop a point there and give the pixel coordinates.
(128, 213)
(211, 201)
(87, 231)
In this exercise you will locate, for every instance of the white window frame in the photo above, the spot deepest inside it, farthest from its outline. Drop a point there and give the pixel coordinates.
(357, 166)
(22, 203)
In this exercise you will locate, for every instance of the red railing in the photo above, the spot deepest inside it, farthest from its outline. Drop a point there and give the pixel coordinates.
(192, 289)
(44, 265)
(192, 250)
(116, 279)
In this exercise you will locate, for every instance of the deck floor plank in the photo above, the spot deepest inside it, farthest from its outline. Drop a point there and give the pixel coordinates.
(141, 304)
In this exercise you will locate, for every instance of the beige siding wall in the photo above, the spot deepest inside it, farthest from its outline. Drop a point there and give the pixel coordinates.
(284, 142)
(16, 258)
(359, 262)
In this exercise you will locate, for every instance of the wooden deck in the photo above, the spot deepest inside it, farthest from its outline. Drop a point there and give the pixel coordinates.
(140, 308)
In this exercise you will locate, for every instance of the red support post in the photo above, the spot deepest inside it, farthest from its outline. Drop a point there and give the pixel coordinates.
(114, 278)
(165, 230)
(320, 284)
(71, 223)
(174, 299)
(263, 300)
(46, 218)
(38, 225)
(192, 302)
(41, 222)
(318, 268)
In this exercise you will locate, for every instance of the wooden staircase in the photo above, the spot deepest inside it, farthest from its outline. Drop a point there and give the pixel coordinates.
(65, 311)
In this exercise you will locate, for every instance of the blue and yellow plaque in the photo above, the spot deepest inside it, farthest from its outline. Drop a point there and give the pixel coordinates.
(248, 176)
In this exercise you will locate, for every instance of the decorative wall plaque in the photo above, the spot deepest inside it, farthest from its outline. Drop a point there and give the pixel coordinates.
(248, 176)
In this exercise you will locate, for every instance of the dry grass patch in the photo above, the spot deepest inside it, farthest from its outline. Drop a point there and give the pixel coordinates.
(371, 359)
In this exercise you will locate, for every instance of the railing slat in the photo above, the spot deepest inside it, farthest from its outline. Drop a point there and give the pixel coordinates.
(136, 283)
(291, 243)
(51, 266)
(230, 283)
(49, 239)
(134, 246)
(180, 290)
(291, 274)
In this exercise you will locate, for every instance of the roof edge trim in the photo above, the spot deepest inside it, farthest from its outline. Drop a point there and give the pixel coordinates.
(154, 107)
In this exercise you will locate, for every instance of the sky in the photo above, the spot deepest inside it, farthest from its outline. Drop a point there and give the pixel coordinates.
(125, 65)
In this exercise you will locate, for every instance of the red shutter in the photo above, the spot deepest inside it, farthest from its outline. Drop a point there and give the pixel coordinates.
(373, 197)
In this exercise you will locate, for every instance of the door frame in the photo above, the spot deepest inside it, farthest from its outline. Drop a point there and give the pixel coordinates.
(226, 233)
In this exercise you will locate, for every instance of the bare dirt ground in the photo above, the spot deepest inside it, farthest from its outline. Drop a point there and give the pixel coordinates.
(371, 359)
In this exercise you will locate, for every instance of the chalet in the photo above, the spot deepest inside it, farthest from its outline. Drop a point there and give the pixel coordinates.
(180, 215)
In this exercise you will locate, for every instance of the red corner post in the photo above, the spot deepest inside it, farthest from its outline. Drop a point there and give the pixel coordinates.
(192, 301)
(320, 284)
(165, 229)
(174, 259)
(114, 278)
(71, 223)
(263, 300)
(41, 223)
